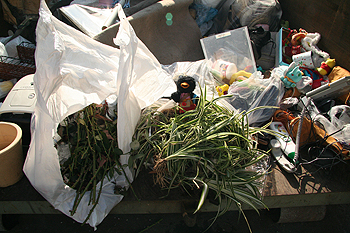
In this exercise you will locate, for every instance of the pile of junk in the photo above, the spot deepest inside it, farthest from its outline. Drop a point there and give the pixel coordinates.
(60, 81)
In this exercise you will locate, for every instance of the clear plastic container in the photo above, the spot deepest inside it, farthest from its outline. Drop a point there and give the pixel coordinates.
(232, 46)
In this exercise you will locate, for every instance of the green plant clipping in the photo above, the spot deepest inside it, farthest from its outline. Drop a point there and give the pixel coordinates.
(209, 147)
(92, 138)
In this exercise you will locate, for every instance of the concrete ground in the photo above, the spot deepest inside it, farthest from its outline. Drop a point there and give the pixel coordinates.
(336, 220)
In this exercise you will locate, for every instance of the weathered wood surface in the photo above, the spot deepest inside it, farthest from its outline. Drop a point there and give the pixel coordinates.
(281, 190)
(324, 187)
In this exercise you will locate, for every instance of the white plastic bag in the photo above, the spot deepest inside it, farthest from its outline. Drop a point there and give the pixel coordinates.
(3, 51)
(74, 71)
(339, 124)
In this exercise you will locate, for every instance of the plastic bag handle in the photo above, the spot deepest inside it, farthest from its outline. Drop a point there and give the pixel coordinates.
(121, 13)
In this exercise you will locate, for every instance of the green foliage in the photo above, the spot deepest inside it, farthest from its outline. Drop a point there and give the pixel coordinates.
(209, 146)
(94, 153)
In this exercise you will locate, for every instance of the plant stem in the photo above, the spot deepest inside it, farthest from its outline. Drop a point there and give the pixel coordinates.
(75, 206)
(96, 202)
(151, 226)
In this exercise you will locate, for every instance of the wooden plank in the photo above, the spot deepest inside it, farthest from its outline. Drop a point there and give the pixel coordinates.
(312, 186)
(175, 206)
(281, 190)
(309, 181)
(27, 207)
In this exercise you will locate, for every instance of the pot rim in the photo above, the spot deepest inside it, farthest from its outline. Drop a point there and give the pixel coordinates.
(17, 138)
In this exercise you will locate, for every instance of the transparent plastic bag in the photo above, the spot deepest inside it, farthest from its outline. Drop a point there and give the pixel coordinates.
(257, 92)
(199, 70)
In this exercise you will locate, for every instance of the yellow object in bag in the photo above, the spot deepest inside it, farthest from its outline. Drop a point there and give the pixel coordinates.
(6, 86)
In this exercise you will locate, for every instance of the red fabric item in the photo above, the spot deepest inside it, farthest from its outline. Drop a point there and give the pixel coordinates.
(325, 67)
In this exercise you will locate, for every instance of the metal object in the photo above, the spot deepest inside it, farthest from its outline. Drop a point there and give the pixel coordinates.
(113, 17)
(21, 27)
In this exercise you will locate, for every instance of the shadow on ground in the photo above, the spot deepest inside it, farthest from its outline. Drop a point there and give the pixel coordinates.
(336, 220)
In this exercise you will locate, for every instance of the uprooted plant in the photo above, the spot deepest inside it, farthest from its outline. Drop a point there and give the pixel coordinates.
(94, 153)
(208, 147)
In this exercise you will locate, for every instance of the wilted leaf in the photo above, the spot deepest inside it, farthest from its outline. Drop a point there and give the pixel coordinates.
(81, 121)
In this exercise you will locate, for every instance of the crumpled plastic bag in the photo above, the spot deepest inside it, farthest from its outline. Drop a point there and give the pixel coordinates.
(339, 124)
(257, 92)
(74, 71)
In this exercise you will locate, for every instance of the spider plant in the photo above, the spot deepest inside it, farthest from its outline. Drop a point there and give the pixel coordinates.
(209, 147)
